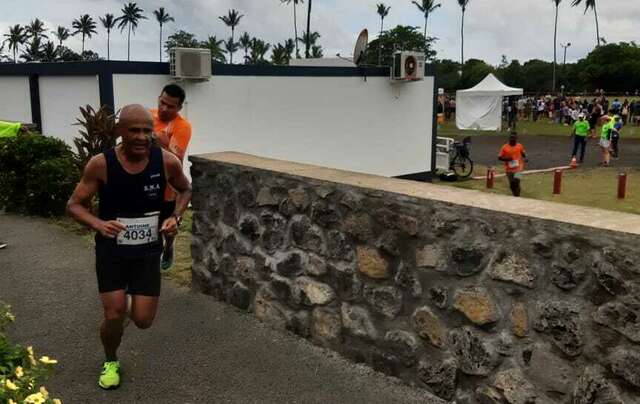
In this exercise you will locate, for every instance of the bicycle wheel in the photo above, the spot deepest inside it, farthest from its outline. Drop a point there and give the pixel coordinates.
(462, 166)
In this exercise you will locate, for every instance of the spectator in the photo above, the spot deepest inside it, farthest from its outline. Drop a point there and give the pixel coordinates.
(605, 138)
(580, 131)
(615, 136)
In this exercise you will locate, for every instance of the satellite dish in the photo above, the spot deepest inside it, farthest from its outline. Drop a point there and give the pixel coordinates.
(361, 47)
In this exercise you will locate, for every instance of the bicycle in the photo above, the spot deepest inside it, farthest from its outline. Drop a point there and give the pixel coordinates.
(459, 158)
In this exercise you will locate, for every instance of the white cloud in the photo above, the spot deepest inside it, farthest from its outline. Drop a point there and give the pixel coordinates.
(520, 29)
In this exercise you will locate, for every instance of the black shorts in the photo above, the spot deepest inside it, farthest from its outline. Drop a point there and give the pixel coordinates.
(137, 275)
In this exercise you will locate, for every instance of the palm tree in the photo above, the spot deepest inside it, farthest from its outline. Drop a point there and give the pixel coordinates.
(427, 7)
(555, 43)
(245, 43)
(85, 26)
(311, 40)
(316, 52)
(162, 17)
(49, 52)
(62, 34)
(215, 46)
(295, 21)
(383, 11)
(131, 16)
(590, 4)
(108, 22)
(308, 44)
(33, 52)
(232, 19)
(258, 49)
(463, 4)
(231, 47)
(279, 55)
(16, 37)
(36, 29)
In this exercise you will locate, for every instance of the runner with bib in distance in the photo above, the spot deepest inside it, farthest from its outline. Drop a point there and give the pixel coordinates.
(130, 180)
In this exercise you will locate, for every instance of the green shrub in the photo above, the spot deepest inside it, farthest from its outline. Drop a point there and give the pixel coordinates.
(21, 375)
(37, 175)
(97, 134)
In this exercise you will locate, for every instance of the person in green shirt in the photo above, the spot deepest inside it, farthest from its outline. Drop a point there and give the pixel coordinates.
(605, 138)
(11, 129)
(580, 131)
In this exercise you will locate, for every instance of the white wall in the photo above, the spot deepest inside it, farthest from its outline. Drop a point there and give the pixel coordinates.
(343, 122)
(60, 99)
(16, 99)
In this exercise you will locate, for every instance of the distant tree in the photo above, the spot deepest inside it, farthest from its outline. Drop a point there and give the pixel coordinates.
(131, 16)
(16, 37)
(474, 71)
(162, 17)
(555, 44)
(590, 4)
(85, 26)
(67, 55)
(259, 48)
(295, 22)
(383, 11)
(463, 5)
(231, 47)
(90, 56)
(108, 22)
(49, 52)
(36, 30)
(215, 46)
(400, 38)
(279, 55)
(310, 39)
(447, 74)
(427, 7)
(316, 52)
(231, 20)
(181, 39)
(245, 42)
(62, 34)
(33, 51)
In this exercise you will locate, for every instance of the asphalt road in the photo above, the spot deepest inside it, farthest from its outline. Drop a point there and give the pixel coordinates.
(551, 151)
(198, 351)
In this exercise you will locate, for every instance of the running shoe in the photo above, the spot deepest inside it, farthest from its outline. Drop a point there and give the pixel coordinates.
(167, 259)
(110, 376)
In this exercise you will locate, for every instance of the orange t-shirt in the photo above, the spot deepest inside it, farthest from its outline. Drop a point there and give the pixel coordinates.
(515, 154)
(174, 137)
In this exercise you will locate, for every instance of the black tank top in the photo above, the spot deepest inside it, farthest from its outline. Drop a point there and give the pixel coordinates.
(131, 196)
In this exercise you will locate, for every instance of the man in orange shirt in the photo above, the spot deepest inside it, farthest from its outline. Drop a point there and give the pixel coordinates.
(513, 156)
(172, 133)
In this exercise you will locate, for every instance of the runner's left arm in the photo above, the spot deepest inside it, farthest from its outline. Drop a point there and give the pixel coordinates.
(179, 182)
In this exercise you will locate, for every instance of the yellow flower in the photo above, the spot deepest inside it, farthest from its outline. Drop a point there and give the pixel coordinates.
(12, 402)
(10, 385)
(19, 372)
(44, 392)
(31, 356)
(11, 317)
(48, 361)
(57, 401)
(35, 398)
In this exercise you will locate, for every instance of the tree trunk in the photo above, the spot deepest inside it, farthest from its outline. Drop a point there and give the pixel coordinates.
(161, 42)
(597, 25)
(380, 42)
(83, 43)
(232, 45)
(306, 52)
(14, 55)
(129, 44)
(555, 56)
(295, 30)
(426, 18)
(108, 44)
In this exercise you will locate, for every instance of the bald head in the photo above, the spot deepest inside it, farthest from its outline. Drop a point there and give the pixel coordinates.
(134, 113)
(135, 126)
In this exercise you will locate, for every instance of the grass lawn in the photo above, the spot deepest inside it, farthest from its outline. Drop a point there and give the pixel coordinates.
(595, 187)
(545, 128)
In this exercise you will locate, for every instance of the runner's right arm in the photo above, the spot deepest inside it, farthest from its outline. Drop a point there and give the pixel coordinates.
(80, 201)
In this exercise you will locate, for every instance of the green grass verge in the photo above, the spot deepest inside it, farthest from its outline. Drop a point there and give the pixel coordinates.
(544, 128)
(595, 188)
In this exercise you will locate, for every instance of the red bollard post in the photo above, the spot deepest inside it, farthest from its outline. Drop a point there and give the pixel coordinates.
(622, 185)
(491, 175)
(557, 182)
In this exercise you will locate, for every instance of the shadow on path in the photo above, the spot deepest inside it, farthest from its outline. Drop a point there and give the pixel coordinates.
(198, 351)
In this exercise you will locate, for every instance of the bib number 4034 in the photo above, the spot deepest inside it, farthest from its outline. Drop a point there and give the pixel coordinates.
(139, 231)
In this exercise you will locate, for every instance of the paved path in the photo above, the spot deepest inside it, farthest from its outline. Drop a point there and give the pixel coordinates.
(198, 351)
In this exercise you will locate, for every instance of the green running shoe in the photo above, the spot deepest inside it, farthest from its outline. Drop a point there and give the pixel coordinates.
(110, 376)
(167, 259)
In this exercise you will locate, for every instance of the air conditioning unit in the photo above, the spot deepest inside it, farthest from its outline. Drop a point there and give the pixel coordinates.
(190, 63)
(408, 66)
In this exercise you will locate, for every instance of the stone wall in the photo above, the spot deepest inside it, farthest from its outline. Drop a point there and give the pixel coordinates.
(472, 304)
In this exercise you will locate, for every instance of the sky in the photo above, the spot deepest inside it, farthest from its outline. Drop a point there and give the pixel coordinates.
(519, 29)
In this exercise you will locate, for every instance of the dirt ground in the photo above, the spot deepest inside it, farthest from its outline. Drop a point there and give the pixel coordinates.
(551, 151)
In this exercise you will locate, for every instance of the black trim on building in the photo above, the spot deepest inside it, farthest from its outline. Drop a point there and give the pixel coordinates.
(105, 85)
(34, 95)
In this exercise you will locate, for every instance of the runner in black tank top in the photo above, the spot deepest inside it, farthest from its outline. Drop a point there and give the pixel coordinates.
(130, 181)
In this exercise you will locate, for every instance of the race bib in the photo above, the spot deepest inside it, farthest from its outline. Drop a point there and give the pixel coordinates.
(514, 163)
(139, 230)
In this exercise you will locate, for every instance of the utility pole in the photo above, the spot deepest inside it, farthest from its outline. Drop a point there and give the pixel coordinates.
(565, 52)
(306, 53)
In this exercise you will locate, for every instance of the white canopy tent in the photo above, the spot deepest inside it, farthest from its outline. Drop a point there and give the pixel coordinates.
(480, 107)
